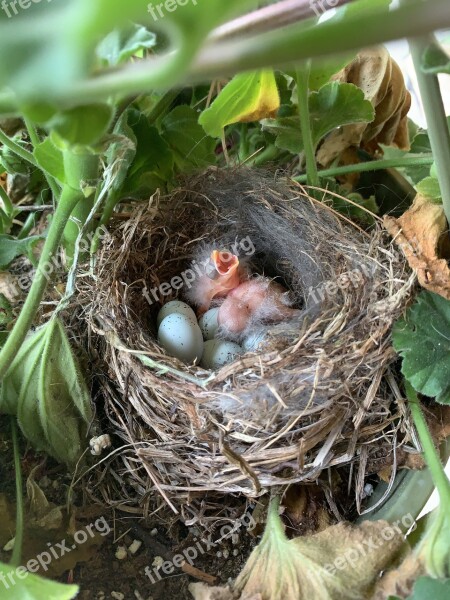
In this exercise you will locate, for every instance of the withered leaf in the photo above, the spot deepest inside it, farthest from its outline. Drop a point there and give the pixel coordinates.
(421, 233)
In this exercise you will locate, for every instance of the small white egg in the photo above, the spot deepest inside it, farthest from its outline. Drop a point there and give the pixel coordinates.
(181, 337)
(217, 353)
(175, 306)
(253, 342)
(209, 323)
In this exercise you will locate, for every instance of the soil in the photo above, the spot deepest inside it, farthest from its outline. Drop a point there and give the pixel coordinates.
(96, 569)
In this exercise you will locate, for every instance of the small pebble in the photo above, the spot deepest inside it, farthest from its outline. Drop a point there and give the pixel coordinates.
(117, 595)
(219, 555)
(9, 546)
(121, 553)
(154, 532)
(135, 546)
(158, 562)
(226, 553)
(235, 552)
(44, 482)
(235, 539)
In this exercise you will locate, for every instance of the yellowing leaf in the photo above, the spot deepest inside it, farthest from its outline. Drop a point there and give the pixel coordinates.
(340, 562)
(247, 97)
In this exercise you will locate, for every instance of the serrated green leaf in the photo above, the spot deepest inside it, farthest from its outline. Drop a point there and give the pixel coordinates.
(429, 188)
(190, 145)
(50, 158)
(11, 248)
(435, 60)
(334, 105)
(23, 585)
(247, 97)
(427, 588)
(422, 338)
(45, 389)
(122, 44)
(83, 125)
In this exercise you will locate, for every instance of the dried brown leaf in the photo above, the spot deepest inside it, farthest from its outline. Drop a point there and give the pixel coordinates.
(399, 582)
(381, 80)
(420, 232)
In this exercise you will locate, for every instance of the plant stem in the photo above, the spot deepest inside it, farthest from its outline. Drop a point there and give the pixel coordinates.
(9, 207)
(17, 149)
(293, 42)
(36, 141)
(270, 17)
(18, 540)
(430, 453)
(68, 201)
(373, 165)
(296, 41)
(438, 130)
(305, 123)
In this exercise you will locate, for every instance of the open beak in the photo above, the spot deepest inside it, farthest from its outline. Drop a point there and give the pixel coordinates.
(223, 263)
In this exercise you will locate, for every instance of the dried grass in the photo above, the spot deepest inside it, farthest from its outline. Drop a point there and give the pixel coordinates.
(316, 397)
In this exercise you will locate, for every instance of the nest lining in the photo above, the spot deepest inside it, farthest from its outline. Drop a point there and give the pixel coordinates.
(316, 396)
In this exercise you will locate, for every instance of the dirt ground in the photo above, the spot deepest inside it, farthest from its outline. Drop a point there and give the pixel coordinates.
(105, 566)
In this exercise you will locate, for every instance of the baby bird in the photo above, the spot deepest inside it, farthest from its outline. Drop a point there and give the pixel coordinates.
(255, 301)
(245, 302)
(222, 272)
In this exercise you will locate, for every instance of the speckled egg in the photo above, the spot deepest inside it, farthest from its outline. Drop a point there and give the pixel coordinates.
(175, 306)
(181, 337)
(209, 323)
(217, 353)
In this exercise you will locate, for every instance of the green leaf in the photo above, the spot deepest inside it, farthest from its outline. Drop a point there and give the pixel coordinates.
(323, 70)
(122, 44)
(191, 147)
(426, 588)
(20, 584)
(435, 60)
(45, 389)
(11, 248)
(153, 163)
(429, 188)
(334, 105)
(247, 97)
(83, 125)
(11, 162)
(50, 158)
(422, 338)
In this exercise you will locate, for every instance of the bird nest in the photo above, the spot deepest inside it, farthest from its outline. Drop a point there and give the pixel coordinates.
(316, 395)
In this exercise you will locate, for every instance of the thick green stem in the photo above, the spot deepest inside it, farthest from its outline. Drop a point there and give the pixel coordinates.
(18, 540)
(81, 169)
(305, 123)
(373, 165)
(430, 453)
(69, 199)
(291, 43)
(438, 130)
